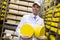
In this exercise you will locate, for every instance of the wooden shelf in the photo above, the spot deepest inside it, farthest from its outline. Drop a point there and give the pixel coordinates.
(22, 3)
(13, 17)
(10, 26)
(21, 8)
(18, 12)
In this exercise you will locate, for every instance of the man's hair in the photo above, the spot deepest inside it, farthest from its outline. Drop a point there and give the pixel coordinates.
(35, 4)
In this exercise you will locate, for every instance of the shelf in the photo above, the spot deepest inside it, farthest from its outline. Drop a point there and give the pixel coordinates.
(11, 34)
(18, 13)
(22, 4)
(13, 17)
(10, 27)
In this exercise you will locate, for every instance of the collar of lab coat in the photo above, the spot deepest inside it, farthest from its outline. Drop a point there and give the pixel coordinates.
(32, 15)
(37, 17)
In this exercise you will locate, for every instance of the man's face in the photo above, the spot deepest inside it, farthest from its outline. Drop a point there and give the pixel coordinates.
(35, 9)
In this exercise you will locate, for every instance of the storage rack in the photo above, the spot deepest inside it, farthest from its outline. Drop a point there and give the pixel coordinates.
(14, 12)
(51, 17)
(0, 16)
(4, 13)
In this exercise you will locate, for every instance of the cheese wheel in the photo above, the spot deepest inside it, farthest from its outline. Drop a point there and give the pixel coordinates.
(39, 31)
(26, 30)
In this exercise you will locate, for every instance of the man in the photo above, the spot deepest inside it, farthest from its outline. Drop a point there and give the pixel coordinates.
(33, 19)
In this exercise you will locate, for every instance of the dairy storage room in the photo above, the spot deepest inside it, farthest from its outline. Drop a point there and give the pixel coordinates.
(12, 11)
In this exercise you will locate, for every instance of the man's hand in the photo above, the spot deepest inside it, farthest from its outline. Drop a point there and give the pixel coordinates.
(25, 37)
(42, 38)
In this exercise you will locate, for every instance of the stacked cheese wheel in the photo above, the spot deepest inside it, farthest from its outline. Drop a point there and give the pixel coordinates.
(28, 30)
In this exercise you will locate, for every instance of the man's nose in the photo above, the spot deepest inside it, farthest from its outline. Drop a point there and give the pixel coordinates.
(35, 8)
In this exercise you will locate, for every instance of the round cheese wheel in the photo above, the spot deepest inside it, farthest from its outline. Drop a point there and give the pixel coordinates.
(39, 31)
(26, 30)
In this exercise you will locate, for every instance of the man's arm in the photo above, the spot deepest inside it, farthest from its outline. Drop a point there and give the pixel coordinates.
(42, 22)
(42, 37)
(19, 26)
(23, 21)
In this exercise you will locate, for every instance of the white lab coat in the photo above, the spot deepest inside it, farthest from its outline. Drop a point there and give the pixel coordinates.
(30, 20)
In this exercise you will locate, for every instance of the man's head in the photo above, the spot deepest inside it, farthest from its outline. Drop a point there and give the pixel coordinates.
(35, 8)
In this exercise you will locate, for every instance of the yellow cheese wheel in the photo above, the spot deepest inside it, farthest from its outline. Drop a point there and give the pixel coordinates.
(39, 31)
(5, 2)
(26, 30)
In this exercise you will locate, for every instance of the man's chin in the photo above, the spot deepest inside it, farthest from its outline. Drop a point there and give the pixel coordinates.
(35, 14)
